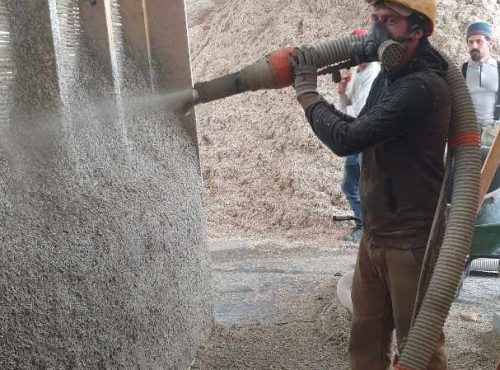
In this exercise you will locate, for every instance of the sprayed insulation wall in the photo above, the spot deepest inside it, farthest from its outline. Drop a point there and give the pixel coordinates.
(102, 249)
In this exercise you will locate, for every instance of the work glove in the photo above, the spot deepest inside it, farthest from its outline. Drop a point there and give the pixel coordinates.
(305, 70)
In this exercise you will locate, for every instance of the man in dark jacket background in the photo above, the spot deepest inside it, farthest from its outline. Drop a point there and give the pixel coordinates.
(401, 133)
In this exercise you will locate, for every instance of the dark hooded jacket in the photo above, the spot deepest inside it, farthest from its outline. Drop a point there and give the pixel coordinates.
(401, 132)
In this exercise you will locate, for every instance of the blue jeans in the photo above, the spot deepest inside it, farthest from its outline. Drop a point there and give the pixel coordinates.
(350, 184)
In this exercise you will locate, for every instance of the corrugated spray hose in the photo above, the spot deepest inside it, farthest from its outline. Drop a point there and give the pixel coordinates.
(424, 334)
(274, 71)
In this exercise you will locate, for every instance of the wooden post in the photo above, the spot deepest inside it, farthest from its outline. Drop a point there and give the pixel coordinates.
(170, 50)
(489, 168)
(35, 86)
(167, 31)
(95, 29)
(136, 36)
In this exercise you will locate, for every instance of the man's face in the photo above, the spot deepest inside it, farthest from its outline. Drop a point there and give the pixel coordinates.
(395, 23)
(397, 26)
(479, 47)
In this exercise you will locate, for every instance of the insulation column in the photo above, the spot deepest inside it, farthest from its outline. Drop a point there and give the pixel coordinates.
(103, 257)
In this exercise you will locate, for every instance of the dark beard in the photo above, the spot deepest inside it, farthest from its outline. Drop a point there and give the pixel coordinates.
(475, 55)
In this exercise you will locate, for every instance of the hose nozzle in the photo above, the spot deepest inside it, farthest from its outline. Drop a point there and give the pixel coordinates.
(271, 72)
(274, 71)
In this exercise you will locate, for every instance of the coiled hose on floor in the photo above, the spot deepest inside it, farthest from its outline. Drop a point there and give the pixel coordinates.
(274, 71)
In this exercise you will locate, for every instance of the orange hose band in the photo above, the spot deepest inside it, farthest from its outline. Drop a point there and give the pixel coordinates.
(280, 65)
(468, 138)
(400, 367)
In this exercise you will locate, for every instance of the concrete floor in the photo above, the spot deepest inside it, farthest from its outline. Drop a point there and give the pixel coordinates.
(275, 307)
(251, 275)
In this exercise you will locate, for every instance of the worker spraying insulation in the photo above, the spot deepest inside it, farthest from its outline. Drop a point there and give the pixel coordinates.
(412, 249)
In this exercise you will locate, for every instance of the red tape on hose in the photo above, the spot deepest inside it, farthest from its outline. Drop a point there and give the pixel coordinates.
(280, 64)
(467, 138)
(400, 367)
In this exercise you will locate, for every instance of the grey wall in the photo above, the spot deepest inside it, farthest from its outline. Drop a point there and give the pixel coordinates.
(103, 260)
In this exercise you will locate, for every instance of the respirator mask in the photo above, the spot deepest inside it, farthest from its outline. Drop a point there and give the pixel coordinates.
(379, 45)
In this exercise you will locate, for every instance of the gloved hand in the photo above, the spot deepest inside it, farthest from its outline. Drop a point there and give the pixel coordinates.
(305, 69)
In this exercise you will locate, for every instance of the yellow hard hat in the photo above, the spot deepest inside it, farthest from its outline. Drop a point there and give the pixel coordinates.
(425, 7)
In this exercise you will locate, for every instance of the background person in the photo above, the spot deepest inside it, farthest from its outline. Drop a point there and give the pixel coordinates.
(482, 74)
(353, 89)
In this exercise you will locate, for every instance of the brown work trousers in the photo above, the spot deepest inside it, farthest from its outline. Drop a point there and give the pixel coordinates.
(383, 293)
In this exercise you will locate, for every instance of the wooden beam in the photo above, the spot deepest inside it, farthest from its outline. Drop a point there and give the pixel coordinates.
(35, 85)
(95, 29)
(489, 168)
(134, 28)
(169, 43)
(136, 37)
(169, 50)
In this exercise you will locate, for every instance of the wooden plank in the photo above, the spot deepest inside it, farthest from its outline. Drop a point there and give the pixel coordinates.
(169, 46)
(136, 36)
(134, 28)
(95, 29)
(35, 84)
(489, 168)
(169, 43)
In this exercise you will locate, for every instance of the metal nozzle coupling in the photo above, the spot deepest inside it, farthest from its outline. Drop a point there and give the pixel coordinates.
(196, 96)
